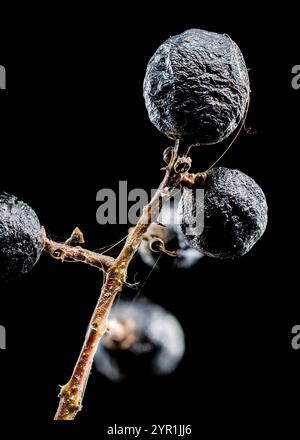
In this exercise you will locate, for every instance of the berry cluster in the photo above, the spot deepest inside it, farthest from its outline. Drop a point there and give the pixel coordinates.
(196, 90)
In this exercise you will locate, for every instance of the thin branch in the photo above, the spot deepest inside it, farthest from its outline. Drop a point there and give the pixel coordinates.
(71, 394)
(65, 252)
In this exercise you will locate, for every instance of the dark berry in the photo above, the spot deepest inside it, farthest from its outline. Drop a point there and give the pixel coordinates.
(144, 340)
(196, 87)
(20, 237)
(232, 215)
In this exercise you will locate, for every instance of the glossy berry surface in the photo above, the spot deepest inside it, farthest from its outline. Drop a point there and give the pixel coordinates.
(20, 237)
(196, 87)
(233, 213)
(158, 347)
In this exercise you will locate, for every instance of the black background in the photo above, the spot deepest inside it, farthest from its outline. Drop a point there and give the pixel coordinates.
(72, 122)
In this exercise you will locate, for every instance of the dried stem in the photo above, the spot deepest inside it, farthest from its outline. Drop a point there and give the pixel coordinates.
(65, 252)
(71, 394)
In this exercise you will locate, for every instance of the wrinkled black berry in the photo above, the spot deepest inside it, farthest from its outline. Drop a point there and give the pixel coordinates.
(158, 348)
(20, 237)
(235, 214)
(196, 87)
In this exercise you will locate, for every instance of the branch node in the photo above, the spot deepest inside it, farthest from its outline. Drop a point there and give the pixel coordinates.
(76, 237)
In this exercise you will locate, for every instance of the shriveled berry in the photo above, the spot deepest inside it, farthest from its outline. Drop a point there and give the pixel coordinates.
(196, 87)
(20, 237)
(150, 342)
(230, 218)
